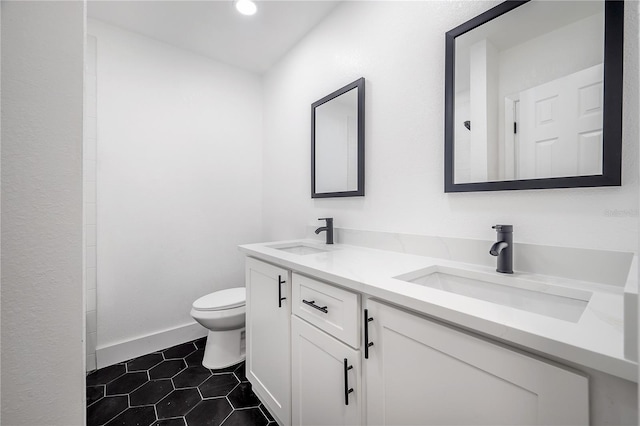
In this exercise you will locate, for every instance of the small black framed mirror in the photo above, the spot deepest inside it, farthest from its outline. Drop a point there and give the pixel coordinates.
(533, 97)
(337, 143)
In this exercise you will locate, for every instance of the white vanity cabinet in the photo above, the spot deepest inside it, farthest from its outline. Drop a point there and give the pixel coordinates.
(313, 359)
(422, 372)
(268, 336)
(326, 365)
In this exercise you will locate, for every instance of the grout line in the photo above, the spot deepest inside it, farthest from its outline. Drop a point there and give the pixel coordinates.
(192, 408)
(262, 411)
(104, 391)
(174, 418)
(163, 398)
(229, 415)
(228, 400)
(133, 390)
(117, 394)
(266, 412)
(115, 416)
(89, 406)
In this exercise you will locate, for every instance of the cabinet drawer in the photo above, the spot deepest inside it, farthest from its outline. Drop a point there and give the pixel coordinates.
(329, 308)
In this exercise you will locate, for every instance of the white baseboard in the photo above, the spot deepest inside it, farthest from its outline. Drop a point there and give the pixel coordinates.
(123, 351)
(91, 363)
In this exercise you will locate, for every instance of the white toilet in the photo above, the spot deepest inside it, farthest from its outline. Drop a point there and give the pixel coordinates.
(222, 313)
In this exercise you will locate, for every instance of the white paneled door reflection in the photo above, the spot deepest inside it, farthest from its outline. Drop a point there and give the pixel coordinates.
(560, 127)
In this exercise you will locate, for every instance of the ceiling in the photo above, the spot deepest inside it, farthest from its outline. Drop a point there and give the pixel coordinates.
(215, 29)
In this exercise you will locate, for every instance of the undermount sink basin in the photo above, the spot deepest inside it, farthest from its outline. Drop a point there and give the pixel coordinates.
(562, 303)
(300, 248)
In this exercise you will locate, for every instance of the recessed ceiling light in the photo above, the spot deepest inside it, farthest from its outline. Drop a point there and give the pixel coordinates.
(246, 7)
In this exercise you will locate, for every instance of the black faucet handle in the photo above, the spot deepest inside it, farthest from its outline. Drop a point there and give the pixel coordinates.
(503, 228)
(328, 228)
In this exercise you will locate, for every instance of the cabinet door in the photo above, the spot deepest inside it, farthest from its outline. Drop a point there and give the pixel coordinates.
(319, 378)
(268, 336)
(422, 372)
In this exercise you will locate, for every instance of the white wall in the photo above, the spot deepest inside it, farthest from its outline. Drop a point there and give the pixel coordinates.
(178, 183)
(399, 48)
(0, 214)
(89, 197)
(483, 59)
(42, 295)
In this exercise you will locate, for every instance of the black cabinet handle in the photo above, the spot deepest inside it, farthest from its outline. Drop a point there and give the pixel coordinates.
(347, 389)
(312, 303)
(367, 344)
(280, 298)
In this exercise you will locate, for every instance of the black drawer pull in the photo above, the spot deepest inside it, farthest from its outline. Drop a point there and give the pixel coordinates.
(347, 389)
(280, 298)
(367, 344)
(312, 303)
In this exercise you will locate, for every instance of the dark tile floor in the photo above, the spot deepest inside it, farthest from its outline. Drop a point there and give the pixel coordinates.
(171, 387)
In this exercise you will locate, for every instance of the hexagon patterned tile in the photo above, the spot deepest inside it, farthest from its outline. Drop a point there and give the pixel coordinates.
(171, 387)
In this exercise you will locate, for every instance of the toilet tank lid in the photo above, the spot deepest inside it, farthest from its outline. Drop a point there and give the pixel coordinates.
(222, 299)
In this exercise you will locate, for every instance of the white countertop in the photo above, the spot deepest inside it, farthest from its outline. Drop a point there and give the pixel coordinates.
(595, 341)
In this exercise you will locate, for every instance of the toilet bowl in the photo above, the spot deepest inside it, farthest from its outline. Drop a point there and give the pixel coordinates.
(222, 313)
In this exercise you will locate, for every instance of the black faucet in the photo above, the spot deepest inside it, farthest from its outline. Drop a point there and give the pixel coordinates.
(328, 228)
(503, 248)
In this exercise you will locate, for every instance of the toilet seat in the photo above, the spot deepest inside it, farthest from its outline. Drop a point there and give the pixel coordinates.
(221, 300)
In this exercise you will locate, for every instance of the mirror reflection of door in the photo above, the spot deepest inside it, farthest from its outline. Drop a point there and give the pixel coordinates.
(530, 86)
(561, 127)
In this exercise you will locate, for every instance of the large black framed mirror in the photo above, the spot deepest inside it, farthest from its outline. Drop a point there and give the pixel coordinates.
(533, 97)
(337, 143)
